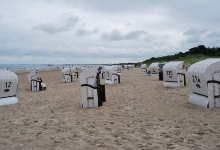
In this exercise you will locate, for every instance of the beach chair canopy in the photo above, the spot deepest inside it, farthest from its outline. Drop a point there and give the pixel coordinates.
(202, 72)
(69, 71)
(65, 71)
(32, 75)
(88, 77)
(154, 68)
(171, 69)
(33, 79)
(109, 71)
(143, 66)
(8, 84)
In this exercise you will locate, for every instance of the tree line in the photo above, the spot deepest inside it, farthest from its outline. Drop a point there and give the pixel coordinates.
(200, 50)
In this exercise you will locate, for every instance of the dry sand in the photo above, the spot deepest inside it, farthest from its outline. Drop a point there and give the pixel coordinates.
(139, 114)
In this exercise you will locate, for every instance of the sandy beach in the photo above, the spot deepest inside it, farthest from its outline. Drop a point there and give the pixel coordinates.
(139, 114)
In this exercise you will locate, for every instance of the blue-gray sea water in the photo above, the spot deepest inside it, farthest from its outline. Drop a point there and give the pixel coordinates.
(39, 66)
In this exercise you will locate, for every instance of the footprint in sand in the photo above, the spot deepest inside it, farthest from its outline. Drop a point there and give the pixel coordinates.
(26, 122)
(23, 132)
(190, 141)
(165, 135)
(170, 146)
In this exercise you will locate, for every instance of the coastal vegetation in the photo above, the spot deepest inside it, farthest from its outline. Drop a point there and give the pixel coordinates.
(191, 56)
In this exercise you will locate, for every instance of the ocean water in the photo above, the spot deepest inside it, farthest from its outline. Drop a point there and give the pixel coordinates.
(25, 66)
(39, 66)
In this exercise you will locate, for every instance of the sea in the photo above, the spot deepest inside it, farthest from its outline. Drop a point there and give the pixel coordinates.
(40, 66)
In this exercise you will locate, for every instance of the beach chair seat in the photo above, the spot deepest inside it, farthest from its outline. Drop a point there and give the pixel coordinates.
(161, 70)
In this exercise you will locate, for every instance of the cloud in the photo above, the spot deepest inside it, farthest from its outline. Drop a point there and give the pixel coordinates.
(215, 34)
(1, 18)
(104, 31)
(193, 39)
(194, 32)
(59, 26)
(73, 55)
(84, 32)
(116, 35)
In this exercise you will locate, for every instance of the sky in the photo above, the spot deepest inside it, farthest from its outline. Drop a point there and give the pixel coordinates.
(104, 31)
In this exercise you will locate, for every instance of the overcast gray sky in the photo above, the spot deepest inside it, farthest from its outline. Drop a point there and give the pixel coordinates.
(104, 31)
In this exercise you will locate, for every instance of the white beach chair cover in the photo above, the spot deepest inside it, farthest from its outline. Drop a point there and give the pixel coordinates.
(143, 68)
(88, 78)
(8, 87)
(172, 74)
(111, 75)
(154, 69)
(203, 93)
(32, 75)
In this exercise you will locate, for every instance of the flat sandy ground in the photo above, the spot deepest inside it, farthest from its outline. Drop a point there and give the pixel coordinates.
(139, 114)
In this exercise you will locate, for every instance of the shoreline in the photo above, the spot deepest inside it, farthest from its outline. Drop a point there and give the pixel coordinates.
(29, 70)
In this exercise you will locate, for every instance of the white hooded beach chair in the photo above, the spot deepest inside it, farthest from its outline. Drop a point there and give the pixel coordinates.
(8, 88)
(173, 74)
(154, 69)
(75, 72)
(35, 81)
(143, 68)
(111, 75)
(93, 93)
(68, 74)
(119, 70)
(204, 79)
(125, 67)
(130, 66)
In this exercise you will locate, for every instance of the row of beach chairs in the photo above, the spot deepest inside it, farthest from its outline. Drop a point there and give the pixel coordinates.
(204, 79)
(93, 93)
